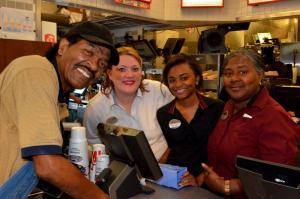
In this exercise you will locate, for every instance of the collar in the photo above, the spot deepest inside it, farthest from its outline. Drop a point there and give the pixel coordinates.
(260, 100)
(202, 104)
(62, 97)
(113, 100)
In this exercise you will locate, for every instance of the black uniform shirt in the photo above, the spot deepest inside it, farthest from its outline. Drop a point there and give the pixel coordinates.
(188, 141)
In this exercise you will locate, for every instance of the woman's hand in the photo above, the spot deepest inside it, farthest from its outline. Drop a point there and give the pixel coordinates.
(212, 179)
(200, 179)
(217, 183)
(188, 180)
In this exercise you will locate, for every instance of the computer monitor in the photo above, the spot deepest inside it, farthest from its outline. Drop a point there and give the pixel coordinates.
(178, 46)
(264, 179)
(173, 46)
(264, 36)
(131, 147)
(145, 50)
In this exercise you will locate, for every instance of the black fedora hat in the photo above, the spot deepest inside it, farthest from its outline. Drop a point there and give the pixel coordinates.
(98, 34)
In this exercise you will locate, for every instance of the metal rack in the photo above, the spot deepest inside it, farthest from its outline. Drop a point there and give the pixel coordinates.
(211, 61)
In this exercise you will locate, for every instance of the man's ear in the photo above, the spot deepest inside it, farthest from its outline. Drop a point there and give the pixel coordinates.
(63, 46)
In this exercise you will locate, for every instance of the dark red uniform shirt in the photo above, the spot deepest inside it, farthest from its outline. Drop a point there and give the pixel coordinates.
(262, 130)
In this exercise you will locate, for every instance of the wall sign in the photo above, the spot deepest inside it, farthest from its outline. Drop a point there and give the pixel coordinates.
(201, 3)
(135, 3)
(255, 2)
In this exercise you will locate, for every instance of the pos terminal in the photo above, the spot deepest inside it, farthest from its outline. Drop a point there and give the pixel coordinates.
(132, 158)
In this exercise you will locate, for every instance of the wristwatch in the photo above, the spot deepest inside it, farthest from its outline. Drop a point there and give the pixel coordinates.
(227, 187)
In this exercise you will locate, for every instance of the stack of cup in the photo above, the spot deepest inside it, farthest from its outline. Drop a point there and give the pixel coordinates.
(78, 149)
(98, 150)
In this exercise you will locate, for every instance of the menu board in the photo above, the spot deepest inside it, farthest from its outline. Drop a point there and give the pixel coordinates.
(201, 3)
(135, 3)
(255, 2)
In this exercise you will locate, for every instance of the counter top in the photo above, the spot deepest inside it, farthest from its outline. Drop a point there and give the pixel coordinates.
(184, 193)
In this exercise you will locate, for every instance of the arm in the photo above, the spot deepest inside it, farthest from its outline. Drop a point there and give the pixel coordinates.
(164, 158)
(217, 183)
(61, 173)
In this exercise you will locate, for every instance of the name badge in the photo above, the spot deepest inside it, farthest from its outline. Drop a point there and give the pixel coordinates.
(174, 123)
(224, 115)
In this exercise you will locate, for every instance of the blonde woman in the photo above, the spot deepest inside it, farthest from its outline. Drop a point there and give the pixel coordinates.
(128, 100)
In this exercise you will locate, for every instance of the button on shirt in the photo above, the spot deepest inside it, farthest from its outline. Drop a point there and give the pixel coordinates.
(103, 109)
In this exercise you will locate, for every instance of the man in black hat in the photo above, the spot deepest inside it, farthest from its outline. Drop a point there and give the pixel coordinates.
(32, 92)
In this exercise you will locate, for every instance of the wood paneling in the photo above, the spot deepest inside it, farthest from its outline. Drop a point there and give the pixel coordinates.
(11, 49)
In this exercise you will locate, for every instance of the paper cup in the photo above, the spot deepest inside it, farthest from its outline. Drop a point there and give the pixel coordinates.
(78, 133)
(78, 149)
(102, 163)
(98, 150)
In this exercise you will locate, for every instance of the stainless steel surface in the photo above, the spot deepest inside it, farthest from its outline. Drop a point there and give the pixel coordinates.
(184, 193)
(211, 61)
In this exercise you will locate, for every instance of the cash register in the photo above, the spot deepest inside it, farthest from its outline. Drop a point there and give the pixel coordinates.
(132, 160)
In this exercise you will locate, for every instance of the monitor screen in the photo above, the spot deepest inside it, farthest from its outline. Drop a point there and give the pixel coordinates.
(178, 46)
(173, 46)
(144, 48)
(130, 146)
(263, 36)
(264, 179)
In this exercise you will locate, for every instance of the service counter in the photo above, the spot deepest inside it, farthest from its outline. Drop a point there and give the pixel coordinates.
(184, 193)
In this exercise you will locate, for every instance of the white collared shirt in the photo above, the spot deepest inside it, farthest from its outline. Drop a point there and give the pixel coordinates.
(143, 114)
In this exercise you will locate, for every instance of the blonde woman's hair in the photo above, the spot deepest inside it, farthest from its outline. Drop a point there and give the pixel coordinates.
(107, 85)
